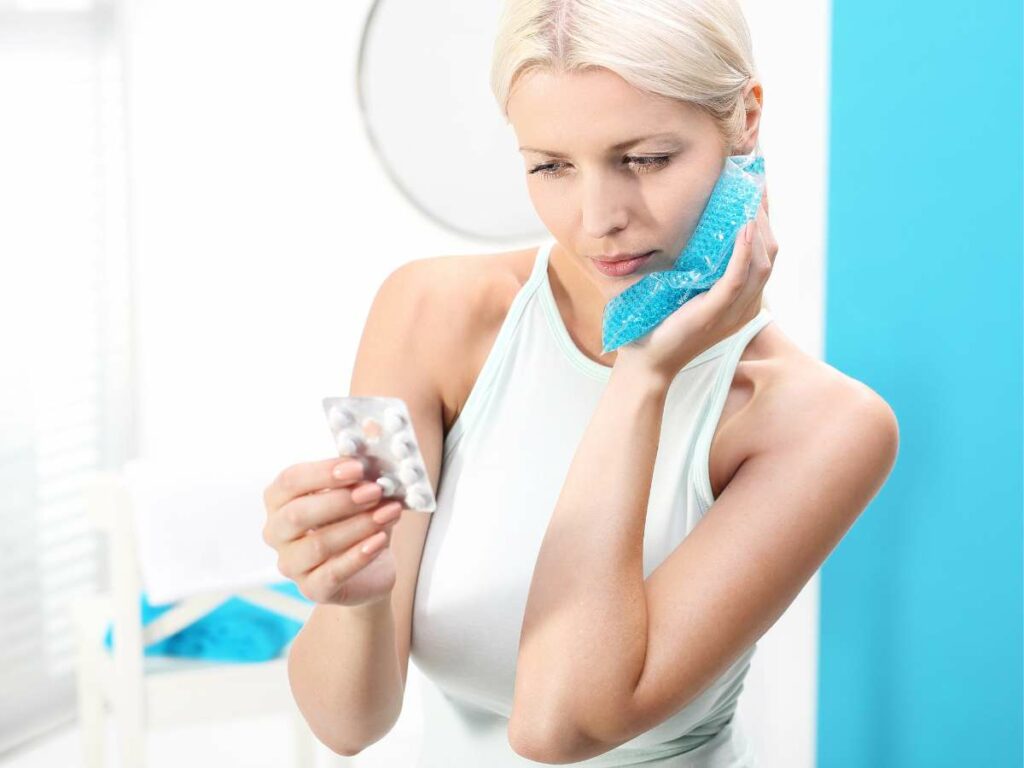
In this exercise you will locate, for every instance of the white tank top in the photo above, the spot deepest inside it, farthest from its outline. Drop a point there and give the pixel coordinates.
(504, 462)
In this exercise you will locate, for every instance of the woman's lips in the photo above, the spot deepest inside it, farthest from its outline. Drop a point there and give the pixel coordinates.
(620, 268)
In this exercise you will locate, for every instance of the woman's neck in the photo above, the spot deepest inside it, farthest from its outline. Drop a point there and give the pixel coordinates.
(580, 303)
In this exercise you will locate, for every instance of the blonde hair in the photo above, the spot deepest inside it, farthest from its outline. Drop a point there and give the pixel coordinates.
(698, 51)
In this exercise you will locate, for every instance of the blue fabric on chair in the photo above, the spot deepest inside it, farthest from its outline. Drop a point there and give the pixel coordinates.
(235, 631)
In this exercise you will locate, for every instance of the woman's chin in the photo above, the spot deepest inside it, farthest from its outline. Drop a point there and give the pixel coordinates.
(611, 287)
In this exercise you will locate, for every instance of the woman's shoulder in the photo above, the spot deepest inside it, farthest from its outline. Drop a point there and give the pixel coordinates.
(469, 297)
(791, 391)
(464, 285)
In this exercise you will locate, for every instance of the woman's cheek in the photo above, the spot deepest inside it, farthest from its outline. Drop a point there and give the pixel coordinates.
(677, 222)
(553, 209)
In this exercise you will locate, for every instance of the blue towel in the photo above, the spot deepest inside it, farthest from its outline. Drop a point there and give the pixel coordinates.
(235, 631)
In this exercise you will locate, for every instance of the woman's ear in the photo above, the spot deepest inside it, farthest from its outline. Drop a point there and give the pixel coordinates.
(753, 98)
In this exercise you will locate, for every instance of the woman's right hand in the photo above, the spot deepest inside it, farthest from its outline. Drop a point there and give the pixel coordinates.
(318, 531)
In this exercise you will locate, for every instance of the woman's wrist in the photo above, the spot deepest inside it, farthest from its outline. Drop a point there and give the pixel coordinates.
(372, 610)
(633, 368)
(635, 375)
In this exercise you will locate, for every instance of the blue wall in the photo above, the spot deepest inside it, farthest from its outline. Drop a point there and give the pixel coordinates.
(921, 625)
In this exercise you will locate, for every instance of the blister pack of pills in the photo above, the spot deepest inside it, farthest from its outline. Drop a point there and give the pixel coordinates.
(379, 432)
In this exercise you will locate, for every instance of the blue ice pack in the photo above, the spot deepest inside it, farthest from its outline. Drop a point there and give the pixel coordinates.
(234, 631)
(644, 305)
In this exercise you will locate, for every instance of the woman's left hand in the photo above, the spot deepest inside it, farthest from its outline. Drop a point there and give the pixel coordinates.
(709, 317)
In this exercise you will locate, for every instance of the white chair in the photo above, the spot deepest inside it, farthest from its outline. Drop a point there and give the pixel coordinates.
(143, 692)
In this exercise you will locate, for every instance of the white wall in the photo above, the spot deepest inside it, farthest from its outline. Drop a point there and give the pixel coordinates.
(264, 226)
(792, 50)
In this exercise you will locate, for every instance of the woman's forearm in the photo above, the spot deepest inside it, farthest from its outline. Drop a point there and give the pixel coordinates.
(584, 632)
(344, 673)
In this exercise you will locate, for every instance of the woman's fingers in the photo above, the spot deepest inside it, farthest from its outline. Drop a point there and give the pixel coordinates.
(308, 477)
(766, 245)
(729, 287)
(323, 583)
(749, 267)
(299, 557)
(767, 236)
(755, 252)
(316, 509)
(760, 264)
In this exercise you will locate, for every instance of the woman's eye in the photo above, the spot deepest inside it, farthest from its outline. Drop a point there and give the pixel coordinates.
(544, 170)
(642, 165)
(648, 164)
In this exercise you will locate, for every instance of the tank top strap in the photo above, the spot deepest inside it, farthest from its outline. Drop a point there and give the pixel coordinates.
(715, 401)
(499, 349)
(540, 265)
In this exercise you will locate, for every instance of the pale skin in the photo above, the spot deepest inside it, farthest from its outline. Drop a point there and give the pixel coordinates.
(799, 451)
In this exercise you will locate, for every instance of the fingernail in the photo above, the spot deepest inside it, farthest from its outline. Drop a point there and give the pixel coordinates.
(374, 543)
(388, 513)
(366, 493)
(748, 232)
(348, 470)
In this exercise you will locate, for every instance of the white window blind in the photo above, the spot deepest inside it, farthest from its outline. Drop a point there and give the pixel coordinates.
(65, 336)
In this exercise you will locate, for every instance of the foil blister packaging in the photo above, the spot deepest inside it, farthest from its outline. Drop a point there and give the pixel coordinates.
(378, 431)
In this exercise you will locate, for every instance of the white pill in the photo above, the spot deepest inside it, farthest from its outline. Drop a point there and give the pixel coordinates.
(394, 420)
(340, 418)
(401, 446)
(387, 484)
(409, 472)
(348, 443)
(416, 498)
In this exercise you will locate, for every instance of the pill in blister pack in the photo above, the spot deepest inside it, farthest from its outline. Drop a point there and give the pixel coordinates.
(379, 432)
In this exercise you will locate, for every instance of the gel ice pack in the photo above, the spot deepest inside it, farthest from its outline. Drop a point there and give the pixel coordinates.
(379, 432)
(644, 305)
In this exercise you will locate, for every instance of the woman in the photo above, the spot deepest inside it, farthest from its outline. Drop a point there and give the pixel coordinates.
(614, 532)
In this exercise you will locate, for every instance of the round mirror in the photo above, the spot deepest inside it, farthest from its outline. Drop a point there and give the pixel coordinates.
(425, 99)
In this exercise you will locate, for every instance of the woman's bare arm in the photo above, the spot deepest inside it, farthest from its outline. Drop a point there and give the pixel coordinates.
(606, 654)
(348, 664)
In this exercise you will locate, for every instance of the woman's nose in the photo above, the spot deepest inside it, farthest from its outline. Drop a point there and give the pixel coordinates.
(604, 207)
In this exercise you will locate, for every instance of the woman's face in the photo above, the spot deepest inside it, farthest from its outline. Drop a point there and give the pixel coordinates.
(599, 192)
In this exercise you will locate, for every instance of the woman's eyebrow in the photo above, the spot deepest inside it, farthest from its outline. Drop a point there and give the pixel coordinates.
(622, 145)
